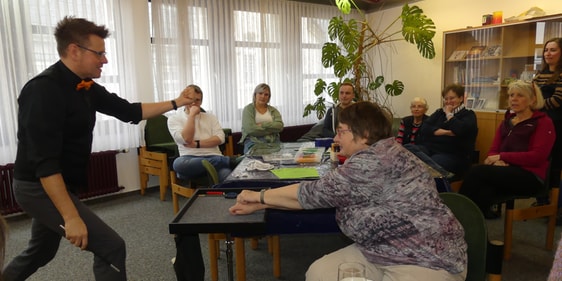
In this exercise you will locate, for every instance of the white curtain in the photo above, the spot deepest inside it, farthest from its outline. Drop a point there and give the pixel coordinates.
(28, 47)
(227, 47)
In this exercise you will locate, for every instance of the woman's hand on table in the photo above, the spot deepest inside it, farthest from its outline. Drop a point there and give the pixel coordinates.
(247, 202)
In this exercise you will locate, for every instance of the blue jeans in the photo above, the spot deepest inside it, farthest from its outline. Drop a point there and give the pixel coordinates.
(189, 167)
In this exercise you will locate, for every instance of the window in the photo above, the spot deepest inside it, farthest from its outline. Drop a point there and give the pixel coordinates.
(229, 48)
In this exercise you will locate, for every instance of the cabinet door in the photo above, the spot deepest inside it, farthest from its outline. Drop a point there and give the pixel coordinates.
(488, 122)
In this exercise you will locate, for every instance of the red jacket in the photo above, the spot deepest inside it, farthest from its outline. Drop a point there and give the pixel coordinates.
(526, 144)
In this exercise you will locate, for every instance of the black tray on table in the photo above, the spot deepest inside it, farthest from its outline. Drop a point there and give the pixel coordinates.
(207, 212)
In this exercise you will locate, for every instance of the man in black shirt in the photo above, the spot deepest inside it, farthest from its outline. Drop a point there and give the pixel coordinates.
(57, 113)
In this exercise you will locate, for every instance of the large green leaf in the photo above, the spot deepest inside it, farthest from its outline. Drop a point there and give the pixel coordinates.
(333, 91)
(342, 66)
(319, 87)
(349, 36)
(394, 89)
(344, 6)
(330, 52)
(418, 29)
(335, 27)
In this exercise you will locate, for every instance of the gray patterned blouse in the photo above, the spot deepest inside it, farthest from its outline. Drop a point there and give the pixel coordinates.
(387, 202)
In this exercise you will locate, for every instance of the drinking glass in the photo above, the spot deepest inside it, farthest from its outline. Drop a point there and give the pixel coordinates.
(351, 271)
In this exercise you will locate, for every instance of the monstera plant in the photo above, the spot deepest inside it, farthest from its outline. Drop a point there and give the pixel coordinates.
(353, 40)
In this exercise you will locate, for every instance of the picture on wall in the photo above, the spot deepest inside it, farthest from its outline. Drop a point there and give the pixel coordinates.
(469, 103)
(480, 104)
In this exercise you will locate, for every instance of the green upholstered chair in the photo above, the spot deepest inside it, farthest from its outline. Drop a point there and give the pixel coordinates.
(475, 235)
(155, 156)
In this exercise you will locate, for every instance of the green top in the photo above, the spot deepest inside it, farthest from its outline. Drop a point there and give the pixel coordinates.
(267, 132)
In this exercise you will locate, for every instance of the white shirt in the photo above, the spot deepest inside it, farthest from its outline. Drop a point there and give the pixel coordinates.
(206, 126)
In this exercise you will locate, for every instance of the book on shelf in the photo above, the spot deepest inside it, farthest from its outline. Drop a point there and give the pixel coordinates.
(492, 51)
(475, 52)
(458, 55)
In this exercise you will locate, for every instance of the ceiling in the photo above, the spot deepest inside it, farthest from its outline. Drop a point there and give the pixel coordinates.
(365, 5)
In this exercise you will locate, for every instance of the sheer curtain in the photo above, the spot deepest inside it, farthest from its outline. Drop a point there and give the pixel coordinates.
(229, 46)
(28, 47)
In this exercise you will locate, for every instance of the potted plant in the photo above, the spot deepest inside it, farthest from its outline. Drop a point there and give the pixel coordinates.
(354, 39)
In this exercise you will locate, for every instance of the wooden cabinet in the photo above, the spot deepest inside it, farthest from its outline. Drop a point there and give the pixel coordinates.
(485, 59)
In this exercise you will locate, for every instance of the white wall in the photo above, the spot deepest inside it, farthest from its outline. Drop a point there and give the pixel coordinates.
(127, 163)
(422, 77)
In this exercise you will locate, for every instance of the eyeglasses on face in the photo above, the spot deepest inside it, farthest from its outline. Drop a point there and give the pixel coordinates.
(100, 53)
(340, 132)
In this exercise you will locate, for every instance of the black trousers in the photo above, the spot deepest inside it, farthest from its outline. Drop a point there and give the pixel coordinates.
(108, 247)
(485, 184)
(189, 264)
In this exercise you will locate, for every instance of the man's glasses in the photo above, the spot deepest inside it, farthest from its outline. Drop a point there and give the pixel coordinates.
(341, 131)
(100, 53)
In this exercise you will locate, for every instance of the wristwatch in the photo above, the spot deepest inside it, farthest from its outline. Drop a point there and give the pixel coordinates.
(198, 143)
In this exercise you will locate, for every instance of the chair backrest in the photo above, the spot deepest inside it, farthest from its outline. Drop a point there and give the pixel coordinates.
(156, 131)
(157, 136)
(211, 172)
(475, 233)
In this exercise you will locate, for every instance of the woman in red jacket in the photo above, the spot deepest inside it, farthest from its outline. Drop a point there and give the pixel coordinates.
(517, 162)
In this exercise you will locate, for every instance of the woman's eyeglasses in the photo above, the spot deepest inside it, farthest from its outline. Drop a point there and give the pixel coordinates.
(341, 131)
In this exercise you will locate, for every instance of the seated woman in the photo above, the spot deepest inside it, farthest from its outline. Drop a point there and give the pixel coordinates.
(198, 135)
(261, 122)
(385, 202)
(446, 140)
(410, 125)
(345, 96)
(518, 159)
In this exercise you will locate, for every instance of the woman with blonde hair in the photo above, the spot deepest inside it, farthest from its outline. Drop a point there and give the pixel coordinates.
(261, 122)
(517, 162)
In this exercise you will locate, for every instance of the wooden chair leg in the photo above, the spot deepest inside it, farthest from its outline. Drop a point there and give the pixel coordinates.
(143, 182)
(175, 202)
(254, 243)
(240, 259)
(276, 252)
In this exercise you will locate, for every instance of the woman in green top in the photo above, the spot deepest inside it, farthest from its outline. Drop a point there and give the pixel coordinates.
(261, 122)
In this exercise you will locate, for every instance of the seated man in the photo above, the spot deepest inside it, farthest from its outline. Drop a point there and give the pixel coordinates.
(198, 135)
(345, 96)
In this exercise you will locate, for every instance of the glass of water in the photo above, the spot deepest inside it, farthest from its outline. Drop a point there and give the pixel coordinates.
(351, 271)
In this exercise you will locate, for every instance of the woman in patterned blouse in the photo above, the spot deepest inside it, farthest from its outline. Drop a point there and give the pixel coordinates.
(385, 201)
